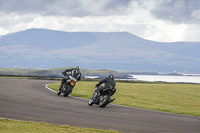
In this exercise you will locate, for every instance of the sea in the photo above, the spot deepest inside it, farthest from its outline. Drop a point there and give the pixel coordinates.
(168, 78)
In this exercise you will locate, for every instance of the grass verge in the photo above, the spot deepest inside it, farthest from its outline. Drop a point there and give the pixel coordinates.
(172, 98)
(12, 126)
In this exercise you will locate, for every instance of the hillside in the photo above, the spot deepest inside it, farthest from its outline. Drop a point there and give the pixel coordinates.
(43, 49)
(57, 72)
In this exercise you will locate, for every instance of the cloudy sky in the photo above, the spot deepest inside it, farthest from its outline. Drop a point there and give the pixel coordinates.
(158, 20)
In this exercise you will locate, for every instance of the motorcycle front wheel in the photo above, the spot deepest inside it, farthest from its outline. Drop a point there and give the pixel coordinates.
(90, 102)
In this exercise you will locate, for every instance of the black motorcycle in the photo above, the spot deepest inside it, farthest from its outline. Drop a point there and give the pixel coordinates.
(104, 98)
(68, 86)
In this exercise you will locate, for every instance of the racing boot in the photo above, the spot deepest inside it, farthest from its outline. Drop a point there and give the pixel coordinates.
(111, 100)
(61, 86)
(59, 90)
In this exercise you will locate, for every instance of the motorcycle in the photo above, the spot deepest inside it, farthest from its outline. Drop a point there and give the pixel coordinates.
(104, 99)
(68, 86)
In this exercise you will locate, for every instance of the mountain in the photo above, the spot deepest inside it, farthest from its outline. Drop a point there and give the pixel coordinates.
(57, 72)
(42, 48)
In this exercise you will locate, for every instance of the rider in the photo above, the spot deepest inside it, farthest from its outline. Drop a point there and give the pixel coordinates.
(109, 83)
(74, 72)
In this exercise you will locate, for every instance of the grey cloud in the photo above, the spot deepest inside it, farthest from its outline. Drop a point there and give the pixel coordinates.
(178, 11)
(64, 7)
(117, 4)
(22, 6)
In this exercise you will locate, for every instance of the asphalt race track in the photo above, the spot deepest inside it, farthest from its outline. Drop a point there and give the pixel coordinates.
(29, 100)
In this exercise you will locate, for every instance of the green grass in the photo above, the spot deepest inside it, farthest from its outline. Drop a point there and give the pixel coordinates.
(12, 126)
(14, 77)
(173, 98)
(31, 77)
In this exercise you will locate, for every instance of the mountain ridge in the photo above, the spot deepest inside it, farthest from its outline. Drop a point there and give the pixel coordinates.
(42, 48)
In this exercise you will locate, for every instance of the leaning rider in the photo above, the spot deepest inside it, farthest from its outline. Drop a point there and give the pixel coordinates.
(74, 72)
(109, 83)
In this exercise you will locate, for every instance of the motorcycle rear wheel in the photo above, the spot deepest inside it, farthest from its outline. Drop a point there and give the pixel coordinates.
(104, 101)
(69, 90)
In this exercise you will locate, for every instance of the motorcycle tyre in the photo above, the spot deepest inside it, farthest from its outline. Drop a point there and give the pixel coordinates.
(90, 102)
(69, 90)
(105, 101)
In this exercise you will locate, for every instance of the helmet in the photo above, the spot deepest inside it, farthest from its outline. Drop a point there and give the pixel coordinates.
(77, 67)
(111, 76)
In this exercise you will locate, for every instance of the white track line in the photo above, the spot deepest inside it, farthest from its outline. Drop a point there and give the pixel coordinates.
(126, 106)
(50, 88)
(69, 95)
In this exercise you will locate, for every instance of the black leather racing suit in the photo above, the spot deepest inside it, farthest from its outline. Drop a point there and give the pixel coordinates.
(109, 82)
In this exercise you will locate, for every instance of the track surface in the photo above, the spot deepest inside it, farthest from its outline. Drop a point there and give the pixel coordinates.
(29, 100)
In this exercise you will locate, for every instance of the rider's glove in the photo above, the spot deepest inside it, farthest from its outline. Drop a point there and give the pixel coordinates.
(64, 73)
